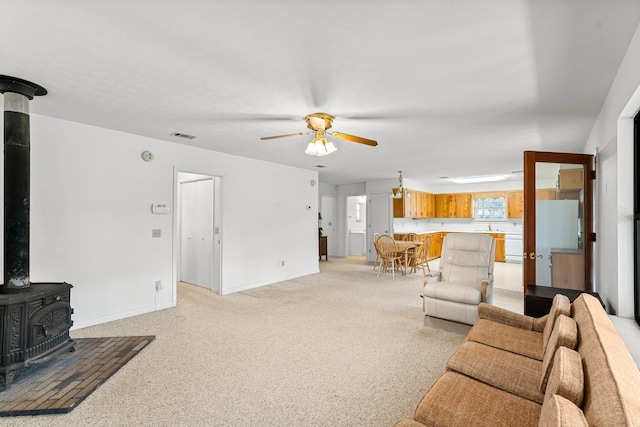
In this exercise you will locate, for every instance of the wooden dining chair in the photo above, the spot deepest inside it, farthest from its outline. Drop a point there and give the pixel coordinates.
(389, 254)
(419, 257)
(411, 237)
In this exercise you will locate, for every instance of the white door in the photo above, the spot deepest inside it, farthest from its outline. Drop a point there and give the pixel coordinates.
(379, 220)
(328, 223)
(197, 233)
(188, 246)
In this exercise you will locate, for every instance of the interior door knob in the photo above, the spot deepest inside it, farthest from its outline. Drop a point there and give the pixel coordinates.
(533, 256)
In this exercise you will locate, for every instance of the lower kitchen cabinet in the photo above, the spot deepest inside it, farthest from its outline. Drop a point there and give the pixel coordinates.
(500, 247)
(567, 269)
(436, 245)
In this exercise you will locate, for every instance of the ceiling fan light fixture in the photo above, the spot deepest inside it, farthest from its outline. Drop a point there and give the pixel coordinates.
(319, 146)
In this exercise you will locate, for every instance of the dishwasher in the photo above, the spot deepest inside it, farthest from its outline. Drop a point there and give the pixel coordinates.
(513, 248)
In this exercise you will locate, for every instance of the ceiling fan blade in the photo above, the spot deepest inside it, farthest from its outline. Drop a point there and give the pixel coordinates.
(264, 138)
(354, 138)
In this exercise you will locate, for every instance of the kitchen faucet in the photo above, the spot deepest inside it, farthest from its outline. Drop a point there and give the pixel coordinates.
(489, 227)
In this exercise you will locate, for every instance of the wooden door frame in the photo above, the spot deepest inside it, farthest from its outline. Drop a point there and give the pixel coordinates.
(529, 221)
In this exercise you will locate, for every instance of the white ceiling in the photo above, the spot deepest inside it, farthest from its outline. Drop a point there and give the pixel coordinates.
(447, 88)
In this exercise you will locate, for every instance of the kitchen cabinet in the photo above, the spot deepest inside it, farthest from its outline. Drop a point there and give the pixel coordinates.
(398, 208)
(567, 268)
(515, 200)
(570, 183)
(419, 205)
(443, 205)
(437, 238)
(515, 204)
(457, 205)
(429, 204)
(570, 179)
(546, 194)
(500, 255)
(436, 245)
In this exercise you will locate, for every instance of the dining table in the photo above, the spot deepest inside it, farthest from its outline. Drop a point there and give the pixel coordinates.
(403, 247)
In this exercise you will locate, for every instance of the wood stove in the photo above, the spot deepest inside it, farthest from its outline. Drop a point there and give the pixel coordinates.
(35, 317)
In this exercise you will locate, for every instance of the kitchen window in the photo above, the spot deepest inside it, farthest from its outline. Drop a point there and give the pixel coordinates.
(490, 209)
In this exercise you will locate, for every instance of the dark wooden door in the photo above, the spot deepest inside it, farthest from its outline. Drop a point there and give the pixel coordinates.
(559, 230)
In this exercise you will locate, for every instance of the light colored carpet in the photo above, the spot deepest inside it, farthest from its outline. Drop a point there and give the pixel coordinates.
(338, 348)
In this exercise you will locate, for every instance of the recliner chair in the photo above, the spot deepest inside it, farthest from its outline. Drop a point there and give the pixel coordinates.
(464, 279)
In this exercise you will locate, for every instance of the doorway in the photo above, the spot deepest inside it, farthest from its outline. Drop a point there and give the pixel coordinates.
(199, 208)
(356, 229)
(328, 209)
(558, 220)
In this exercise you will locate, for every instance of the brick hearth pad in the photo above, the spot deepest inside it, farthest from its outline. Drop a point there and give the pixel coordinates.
(58, 386)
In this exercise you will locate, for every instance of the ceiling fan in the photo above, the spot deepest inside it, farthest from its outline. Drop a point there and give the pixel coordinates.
(319, 146)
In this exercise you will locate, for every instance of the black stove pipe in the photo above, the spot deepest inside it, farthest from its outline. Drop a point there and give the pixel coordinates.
(17, 147)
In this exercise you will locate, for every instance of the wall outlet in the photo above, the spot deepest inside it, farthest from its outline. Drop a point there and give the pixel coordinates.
(282, 263)
(158, 285)
(156, 232)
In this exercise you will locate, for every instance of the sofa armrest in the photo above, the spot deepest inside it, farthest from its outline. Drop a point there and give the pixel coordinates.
(506, 317)
(485, 289)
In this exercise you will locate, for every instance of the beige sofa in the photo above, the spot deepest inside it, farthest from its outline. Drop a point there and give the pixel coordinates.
(569, 368)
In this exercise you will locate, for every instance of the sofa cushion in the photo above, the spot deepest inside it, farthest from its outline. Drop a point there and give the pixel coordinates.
(567, 377)
(612, 379)
(560, 305)
(560, 412)
(510, 372)
(506, 317)
(464, 293)
(455, 400)
(516, 340)
(565, 334)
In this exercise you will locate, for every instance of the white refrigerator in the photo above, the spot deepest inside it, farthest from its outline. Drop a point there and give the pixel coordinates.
(557, 226)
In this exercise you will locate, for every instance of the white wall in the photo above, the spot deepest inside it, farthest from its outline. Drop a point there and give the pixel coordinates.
(91, 221)
(612, 137)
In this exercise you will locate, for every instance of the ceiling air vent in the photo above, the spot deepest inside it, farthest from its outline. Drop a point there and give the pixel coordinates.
(182, 135)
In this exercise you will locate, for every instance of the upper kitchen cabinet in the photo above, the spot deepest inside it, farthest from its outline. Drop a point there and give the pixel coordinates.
(545, 194)
(515, 203)
(570, 179)
(458, 205)
(515, 200)
(570, 183)
(428, 205)
(419, 205)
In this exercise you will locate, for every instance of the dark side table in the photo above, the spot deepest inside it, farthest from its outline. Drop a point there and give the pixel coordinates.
(538, 299)
(323, 247)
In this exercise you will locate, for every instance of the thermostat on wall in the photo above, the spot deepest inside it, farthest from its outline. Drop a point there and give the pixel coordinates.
(159, 208)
